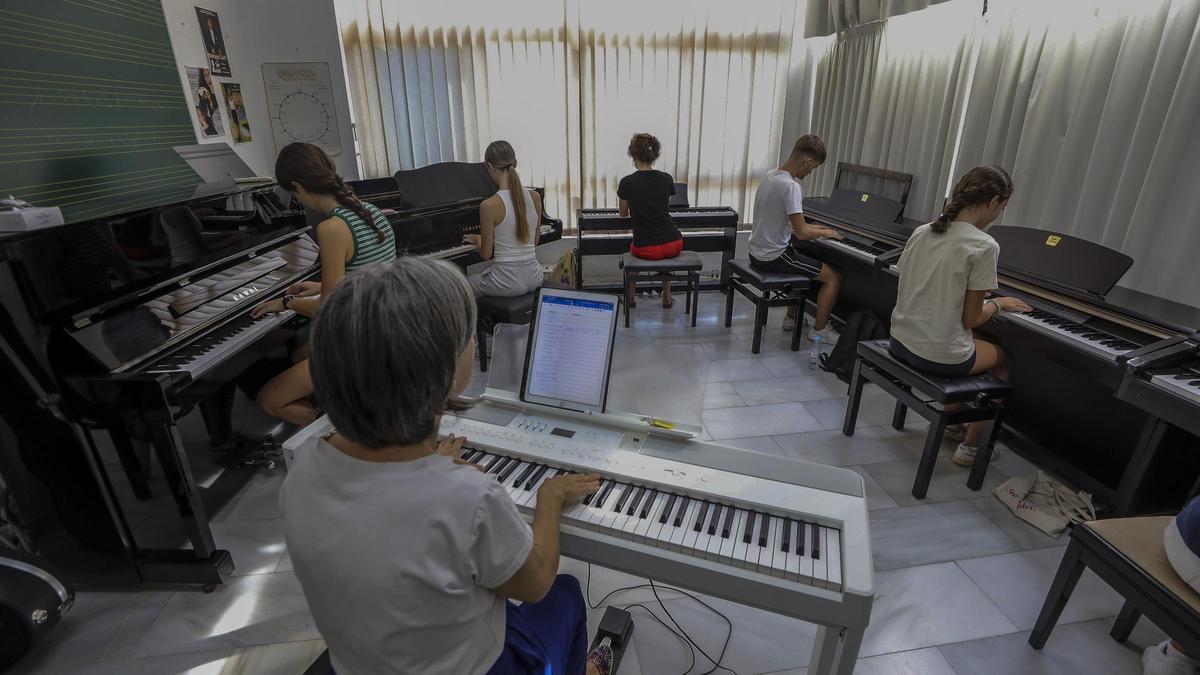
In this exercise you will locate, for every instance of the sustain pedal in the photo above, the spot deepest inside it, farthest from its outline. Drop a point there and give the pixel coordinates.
(616, 626)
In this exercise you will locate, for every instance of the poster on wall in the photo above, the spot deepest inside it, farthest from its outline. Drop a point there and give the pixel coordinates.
(300, 103)
(204, 101)
(214, 42)
(239, 125)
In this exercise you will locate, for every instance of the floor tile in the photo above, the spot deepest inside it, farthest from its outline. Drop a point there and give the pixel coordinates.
(917, 535)
(248, 610)
(721, 395)
(285, 658)
(1017, 583)
(877, 498)
(787, 389)
(285, 563)
(256, 545)
(872, 411)
(94, 625)
(928, 661)
(1026, 535)
(736, 369)
(259, 500)
(602, 586)
(928, 606)
(948, 483)
(789, 364)
(209, 662)
(761, 642)
(868, 445)
(1073, 648)
(762, 420)
(740, 348)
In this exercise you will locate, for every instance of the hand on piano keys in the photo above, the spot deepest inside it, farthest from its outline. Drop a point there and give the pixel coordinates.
(304, 289)
(472, 239)
(1011, 304)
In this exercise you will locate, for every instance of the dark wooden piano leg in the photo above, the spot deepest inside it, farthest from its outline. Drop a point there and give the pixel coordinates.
(1069, 571)
(481, 334)
(217, 413)
(135, 470)
(857, 382)
(1139, 463)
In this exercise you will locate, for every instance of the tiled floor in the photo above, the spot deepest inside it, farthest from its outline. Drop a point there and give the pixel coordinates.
(959, 580)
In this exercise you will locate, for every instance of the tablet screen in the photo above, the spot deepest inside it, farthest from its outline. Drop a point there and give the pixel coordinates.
(570, 350)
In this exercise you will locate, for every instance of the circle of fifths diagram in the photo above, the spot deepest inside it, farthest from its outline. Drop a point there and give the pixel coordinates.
(304, 117)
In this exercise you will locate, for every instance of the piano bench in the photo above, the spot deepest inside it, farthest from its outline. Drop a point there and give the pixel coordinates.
(491, 310)
(981, 398)
(639, 269)
(765, 290)
(1130, 556)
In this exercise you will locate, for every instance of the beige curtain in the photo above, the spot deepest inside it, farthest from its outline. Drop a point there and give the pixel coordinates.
(1093, 105)
(825, 17)
(568, 82)
(890, 95)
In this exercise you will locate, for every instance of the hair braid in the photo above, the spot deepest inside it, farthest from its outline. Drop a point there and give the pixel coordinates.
(346, 197)
(977, 187)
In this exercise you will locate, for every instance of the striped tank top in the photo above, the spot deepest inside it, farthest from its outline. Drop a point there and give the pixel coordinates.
(368, 249)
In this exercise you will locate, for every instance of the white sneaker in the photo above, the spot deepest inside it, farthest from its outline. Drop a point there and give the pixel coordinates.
(826, 334)
(956, 432)
(964, 455)
(789, 324)
(1164, 659)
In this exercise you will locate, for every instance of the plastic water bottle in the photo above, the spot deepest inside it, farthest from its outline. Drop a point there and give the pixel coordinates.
(814, 354)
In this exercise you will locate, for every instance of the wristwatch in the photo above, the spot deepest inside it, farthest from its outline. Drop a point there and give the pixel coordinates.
(287, 299)
(988, 301)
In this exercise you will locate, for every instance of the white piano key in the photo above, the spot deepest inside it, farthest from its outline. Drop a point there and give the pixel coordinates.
(819, 574)
(610, 516)
(833, 542)
(792, 564)
(778, 555)
(806, 560)
(765, 553)
(697, 542)
(738, 533)
(685, 525)
(653, 527)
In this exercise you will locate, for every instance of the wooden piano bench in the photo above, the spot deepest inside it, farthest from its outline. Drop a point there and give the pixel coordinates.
(981, 398)
(638, 269)
(765, 290)
(491, 310)
(1129, 555)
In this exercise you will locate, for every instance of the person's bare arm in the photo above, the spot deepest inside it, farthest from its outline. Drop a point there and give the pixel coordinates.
(491, 212)
(805, 231)
(537, 222)
(336, 248)
(535, 577)
(978, 309)
(623, 208)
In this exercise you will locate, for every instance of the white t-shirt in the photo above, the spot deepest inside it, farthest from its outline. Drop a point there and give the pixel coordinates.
(777, 197)
(936, 271)
(396, 559)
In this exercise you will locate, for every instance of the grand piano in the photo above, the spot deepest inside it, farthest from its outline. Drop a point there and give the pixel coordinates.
(1106, 379)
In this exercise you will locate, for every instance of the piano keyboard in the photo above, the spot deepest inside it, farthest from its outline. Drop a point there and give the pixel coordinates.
(758, 541)
(1185, 383)
(462, 249)
(856, 249)
(685, 218)
(198, 357)
(1079, 335)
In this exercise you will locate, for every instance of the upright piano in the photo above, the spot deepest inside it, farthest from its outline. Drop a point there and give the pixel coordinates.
(112, 330)
(432, 207)
(1070, 411)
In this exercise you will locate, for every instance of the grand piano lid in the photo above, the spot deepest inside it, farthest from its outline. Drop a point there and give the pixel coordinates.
(444, 184)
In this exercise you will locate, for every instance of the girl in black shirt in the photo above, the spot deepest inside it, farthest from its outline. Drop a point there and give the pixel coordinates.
(644, 194)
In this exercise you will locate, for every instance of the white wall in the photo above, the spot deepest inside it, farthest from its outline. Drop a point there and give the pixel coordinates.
(257, 32)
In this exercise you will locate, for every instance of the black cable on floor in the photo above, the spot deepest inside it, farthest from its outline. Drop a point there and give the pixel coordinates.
(681, 633)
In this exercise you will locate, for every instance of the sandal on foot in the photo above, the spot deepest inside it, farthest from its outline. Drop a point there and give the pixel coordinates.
(669, 305)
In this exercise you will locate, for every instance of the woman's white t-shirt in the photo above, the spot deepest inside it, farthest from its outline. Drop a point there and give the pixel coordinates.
(936, 271)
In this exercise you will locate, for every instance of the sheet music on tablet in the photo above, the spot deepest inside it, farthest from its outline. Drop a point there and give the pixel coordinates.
(572, 349)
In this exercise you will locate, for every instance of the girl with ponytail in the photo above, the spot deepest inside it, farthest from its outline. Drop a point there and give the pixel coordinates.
(645, 195)
(353, 234)
(947, 271)
(508, 229)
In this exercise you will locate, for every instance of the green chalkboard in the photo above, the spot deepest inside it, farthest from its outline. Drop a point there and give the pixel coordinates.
(90, 106)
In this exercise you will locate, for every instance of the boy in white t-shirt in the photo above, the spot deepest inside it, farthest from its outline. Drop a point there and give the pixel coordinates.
(779, 219)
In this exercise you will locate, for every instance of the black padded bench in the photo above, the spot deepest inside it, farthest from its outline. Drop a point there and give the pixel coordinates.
(492, 310)
(638, 269)
(765, 290)
(921, 391)
(1128, 554)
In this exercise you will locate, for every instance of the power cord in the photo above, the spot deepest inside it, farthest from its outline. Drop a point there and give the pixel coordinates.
(678, 631)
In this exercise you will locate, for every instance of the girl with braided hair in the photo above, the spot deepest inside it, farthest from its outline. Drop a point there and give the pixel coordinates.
(947, 270)
(353, 234)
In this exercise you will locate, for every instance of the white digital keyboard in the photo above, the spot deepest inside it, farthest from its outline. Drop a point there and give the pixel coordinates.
(783, 535)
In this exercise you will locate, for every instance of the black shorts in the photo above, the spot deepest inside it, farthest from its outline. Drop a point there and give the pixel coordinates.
(790, 261)
(902, 354)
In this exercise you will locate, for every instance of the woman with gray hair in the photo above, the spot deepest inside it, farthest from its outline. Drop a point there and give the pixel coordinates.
(406, 554)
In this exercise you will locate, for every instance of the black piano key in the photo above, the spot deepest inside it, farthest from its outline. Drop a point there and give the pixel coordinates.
(700, 517)
(800, 537)
(636, 501)
(729, 512)
(787, 535)
(524, 475)
(508, 471)
(816, 542)
(667, 510)
(604, 493)
(1194, 383)
(629, 490)
(470, 454)
(647, 503)
(592, 497)
(683, 505)
(499, 466)
(762, 531)
(493, 462)
(537, 475)
(748, 534)
(716, 519)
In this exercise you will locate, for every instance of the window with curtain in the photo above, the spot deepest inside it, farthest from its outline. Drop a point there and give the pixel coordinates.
(568, 82)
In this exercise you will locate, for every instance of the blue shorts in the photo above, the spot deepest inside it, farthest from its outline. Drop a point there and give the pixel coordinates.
(902, 354)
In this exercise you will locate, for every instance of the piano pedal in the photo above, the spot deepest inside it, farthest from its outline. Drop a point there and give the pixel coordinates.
(616, 627)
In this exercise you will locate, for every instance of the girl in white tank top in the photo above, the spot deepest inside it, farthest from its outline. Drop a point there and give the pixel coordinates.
(508, 230)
